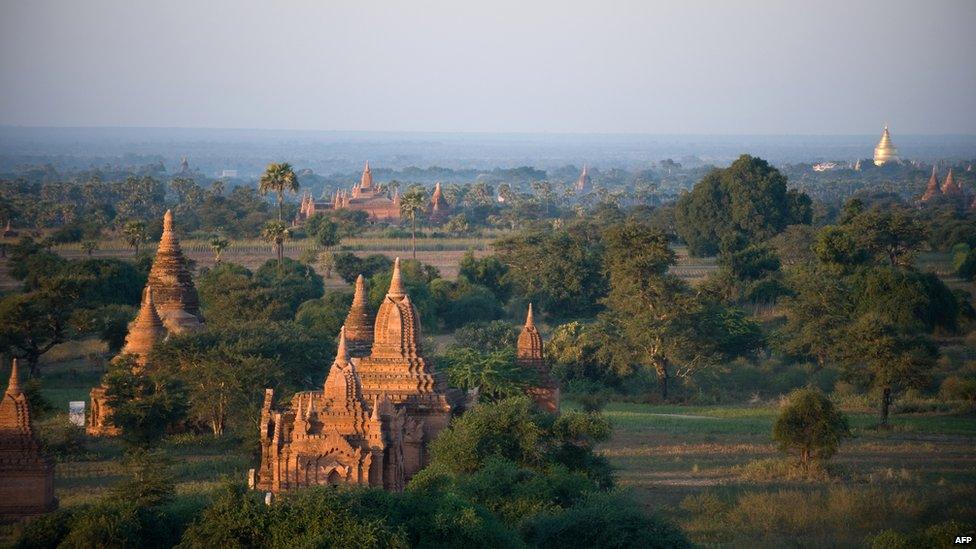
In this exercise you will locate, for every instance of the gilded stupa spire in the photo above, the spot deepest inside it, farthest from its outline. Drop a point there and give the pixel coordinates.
(885, 151)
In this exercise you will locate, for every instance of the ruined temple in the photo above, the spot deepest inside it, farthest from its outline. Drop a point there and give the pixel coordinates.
(26, 474)
(144, 332)
(529, 354)
(174, 293)
(333, 436)
(373, 420)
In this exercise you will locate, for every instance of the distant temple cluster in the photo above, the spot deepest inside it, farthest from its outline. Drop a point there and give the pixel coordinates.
(949, 191)
(367, 197)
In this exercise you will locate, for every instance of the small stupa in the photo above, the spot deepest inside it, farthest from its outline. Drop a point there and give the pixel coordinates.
(885, 152)
(529, 354)
(26, 474)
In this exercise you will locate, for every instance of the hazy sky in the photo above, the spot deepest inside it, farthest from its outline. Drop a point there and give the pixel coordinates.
(740, 67)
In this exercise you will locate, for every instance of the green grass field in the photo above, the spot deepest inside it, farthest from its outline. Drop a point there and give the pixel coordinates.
(713, 469)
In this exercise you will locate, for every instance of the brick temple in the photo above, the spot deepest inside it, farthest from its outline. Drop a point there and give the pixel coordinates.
(364, 196)
(374, 418)
(26, 474)
(169, 306)
(529, 354)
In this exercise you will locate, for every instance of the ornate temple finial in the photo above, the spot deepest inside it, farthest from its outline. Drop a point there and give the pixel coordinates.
(13, 387)
(359, 297)
(529, 320)
(396, 282)
(168, 221)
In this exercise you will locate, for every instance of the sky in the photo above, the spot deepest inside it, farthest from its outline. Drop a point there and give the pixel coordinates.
(611, 66)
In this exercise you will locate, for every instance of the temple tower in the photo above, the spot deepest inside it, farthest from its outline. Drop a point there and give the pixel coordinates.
(359, 327)
(439, 208)
(529, 354)
(26, 474)
(885, 152)
(332, 436)
(950, 187)
(144, 333)
(932, 189)
(175, 295)
(396, 369)
(583, 183)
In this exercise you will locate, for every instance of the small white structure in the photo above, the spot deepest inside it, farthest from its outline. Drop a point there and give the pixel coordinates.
(76, 412)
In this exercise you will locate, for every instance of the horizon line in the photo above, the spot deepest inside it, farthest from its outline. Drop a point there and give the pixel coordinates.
(476, 132)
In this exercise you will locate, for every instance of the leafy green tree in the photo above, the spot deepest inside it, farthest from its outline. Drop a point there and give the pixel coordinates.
(32, 323)
(887, 356)
(327, 234)
(604, 521)
(349, 266)
(279, 178)
(811, 425)
(148, 481)
(324, 317)
(143, 405)
(748, 197)
(489, 272)
(908, 298)
(489, 337)
(275, 233)
(458, 302)
(817, 316)
(135, 234)
(654, 320)
(412, 204)
(560, 271)
(893, 235)
(493, 375)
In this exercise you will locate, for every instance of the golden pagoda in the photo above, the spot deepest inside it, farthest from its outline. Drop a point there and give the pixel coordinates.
(885, 151)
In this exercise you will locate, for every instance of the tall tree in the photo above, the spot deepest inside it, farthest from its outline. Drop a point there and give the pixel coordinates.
(32, 323)
(279, 178)
(412, 204)
(217, 245)
(888, 356)
(135, 234)
(654, 320)
(275, 233)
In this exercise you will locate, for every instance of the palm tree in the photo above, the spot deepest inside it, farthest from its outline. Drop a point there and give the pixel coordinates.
(135, 233)
(278, 178)
(218, 244)
(411, 204)
(275, 233)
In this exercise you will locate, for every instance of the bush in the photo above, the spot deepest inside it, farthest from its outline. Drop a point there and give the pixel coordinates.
(958, 388)
(603, 521)
(810, 424)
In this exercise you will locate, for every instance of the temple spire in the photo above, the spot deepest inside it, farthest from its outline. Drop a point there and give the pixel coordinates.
(529, 320)
(396, 282)
(359, 297)
(13, 387)
(342, 353)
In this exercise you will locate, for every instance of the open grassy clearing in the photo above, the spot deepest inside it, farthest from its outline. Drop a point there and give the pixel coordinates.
(704, 467)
